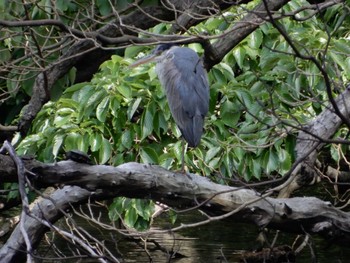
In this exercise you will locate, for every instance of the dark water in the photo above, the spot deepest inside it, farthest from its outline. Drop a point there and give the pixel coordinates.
(222, 241)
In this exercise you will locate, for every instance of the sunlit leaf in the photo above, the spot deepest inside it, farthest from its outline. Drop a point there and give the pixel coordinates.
(148, 155)
(239, 54)
(57, 142)
(102, 109)
(130, 217)
(105, 151)
(255, 39)
(95, 141)
(211, 153)
(133, 107)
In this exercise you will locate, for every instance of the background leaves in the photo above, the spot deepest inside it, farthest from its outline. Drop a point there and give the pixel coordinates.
(260, 94)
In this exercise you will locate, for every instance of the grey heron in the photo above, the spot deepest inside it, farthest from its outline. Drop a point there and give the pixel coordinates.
(185, 81)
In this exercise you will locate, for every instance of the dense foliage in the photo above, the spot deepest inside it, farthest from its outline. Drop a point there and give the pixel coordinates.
(260, 95)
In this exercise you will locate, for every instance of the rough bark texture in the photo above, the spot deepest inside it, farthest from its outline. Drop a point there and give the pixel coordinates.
(299, 215)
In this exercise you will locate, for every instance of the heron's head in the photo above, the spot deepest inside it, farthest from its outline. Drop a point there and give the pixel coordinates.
(161, 48)
(155, 53)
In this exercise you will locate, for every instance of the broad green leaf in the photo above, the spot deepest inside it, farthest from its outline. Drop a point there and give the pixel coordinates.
(127, 139)
(114, 106)
(105, 151)
(131, 52)
(71, 141)
(256, 168)
(284, 159)
(144, 208)
(133, 107)
(239, 153)
(130, 217)
(149, 155)
(124, 90)
(255, 39)
(57, 142)
(95, 141)
(211, 153)
(102, 109)
(239, 54)
(147, 123)
(272, 162)
(116, 209)
(227, 68)
(104, 7)
(83, 142)
(60, 120)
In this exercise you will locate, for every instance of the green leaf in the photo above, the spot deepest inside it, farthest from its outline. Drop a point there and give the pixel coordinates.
(95, 141)
(144, 208)
(127, 139)
(227, 68)
(83, 142)
(239, 54)
(14, 193)
(284, 160)
(256, 169)
(149, 155)
(114, 106)
(147, 123)
(133, 107)
(130, 217)
(343, 46)
(71, 141)
(339, 60)
(102, 109)
(116, 209)
(104, 7)
(57, 142)
(105, 151)
(124, 90)
(268, 59)
(335, 153)
(172, 216)
(211, 153)
(255, 39)
(60, 120)
(131, 52)
(272, 162)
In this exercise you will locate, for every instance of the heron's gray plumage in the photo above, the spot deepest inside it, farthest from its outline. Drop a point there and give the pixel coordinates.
(184, 79)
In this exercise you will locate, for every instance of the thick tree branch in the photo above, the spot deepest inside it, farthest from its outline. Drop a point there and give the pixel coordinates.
(135, 180)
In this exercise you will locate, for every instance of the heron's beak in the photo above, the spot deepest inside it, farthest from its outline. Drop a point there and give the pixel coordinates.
(144, 60)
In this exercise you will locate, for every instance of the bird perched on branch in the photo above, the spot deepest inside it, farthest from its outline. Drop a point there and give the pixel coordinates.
(185, 81)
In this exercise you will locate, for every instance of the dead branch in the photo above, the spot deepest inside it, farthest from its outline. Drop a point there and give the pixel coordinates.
(176, 190)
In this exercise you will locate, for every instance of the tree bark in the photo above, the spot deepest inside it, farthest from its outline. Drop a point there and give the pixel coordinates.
(82, 181)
